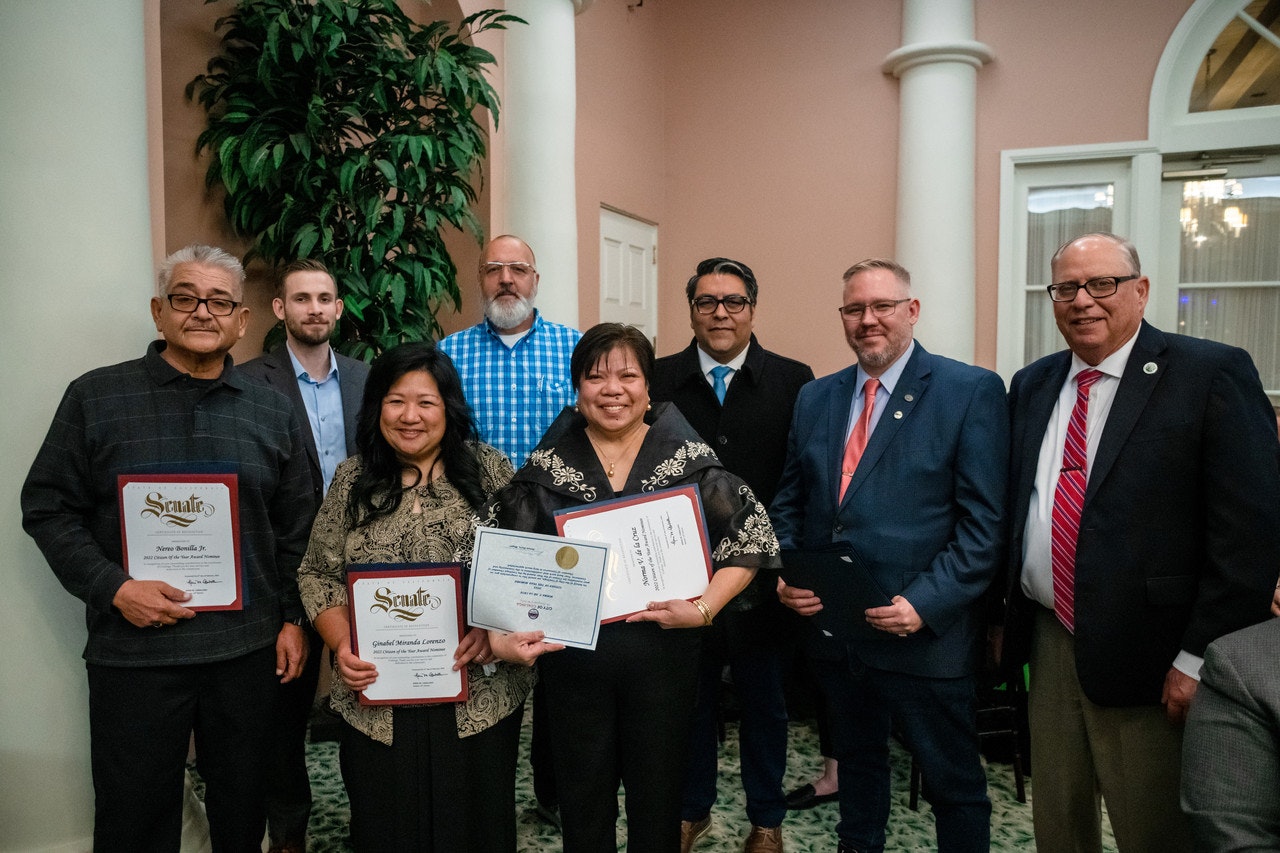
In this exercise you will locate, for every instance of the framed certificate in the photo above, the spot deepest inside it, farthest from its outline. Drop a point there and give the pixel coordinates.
(527, 581)
(406, 619)
(184, 529)
(659, 545)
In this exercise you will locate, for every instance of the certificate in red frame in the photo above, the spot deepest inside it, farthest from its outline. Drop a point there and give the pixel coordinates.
(407, 620)
(660, 543)
(184, 529)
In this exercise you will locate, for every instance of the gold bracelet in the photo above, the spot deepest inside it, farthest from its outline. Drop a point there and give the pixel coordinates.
(706, 611)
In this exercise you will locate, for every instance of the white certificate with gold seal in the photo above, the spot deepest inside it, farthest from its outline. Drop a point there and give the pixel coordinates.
(659, 542)
(531, 582)
(184, 529)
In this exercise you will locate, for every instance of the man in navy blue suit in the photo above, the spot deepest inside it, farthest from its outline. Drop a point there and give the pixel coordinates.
(1176, 542)
(904, 456)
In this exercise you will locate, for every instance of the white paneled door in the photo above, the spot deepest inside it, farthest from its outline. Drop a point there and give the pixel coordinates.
(629, 272)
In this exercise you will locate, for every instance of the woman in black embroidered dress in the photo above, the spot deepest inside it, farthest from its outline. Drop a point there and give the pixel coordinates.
(621, 713)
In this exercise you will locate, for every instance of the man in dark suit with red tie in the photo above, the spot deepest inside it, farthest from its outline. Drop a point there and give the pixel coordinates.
(1145, 523)
(904, 457)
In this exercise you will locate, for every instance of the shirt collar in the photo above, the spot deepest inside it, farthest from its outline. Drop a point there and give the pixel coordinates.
(1113, 365)
(888, 379)
(707, 363)
(300, 372)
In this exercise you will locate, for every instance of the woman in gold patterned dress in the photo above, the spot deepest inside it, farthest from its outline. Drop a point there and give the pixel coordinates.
(427, 777)
(621, 713)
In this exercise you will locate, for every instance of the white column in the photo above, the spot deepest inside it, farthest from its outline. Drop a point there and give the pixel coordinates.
(75, 236)
(938, 65)
(538, 122)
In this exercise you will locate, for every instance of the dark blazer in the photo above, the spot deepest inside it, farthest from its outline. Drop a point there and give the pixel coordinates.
(925, 507)
(275, 370)
(1180, 531)
(749, 432)
(1231, 751)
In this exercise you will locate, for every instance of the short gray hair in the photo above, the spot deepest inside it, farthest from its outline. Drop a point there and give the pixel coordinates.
(206, 256)
(1129, 249)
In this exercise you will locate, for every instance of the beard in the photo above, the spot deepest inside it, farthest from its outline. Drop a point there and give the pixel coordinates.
(311, 335)
(508, 313)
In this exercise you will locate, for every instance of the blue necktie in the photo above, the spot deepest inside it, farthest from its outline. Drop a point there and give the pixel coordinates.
(717, 381)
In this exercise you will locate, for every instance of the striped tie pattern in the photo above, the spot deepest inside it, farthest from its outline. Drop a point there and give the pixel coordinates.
(1068, 501)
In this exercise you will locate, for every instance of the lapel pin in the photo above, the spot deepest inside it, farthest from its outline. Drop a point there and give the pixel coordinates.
(1149, 368)
(897, 416)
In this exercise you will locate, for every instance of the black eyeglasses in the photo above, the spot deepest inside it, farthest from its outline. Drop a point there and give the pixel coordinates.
(1098, 288)
(854, 311)
(708, 304)
(187, 304)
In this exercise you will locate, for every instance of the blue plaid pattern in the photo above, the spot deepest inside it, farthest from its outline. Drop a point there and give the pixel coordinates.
(515, 392)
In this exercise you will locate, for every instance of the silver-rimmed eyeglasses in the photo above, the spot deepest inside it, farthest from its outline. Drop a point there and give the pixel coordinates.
(188, 304)
(519, 269)
(855, 310)
(732, 303)
(1098, 288)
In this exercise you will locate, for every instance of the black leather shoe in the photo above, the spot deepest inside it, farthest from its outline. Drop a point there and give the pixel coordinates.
(805, 797)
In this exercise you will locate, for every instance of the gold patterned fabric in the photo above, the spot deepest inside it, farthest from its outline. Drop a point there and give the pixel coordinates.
(432, 525)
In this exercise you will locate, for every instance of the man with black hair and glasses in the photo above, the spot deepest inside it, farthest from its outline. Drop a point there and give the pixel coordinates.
(157, 669)
(1145, 523)
(738, 396)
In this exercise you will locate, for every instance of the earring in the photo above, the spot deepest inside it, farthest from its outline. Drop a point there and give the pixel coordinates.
(575, 407)
(648, 407)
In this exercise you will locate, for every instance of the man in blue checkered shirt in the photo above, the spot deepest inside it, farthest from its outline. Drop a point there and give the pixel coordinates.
(514, 364)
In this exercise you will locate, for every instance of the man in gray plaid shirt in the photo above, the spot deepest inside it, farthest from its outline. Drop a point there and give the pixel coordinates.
(158, 670)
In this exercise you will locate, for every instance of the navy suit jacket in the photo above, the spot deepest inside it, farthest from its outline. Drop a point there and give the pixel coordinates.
(924, 509)
(1180, 530)
(275, 370)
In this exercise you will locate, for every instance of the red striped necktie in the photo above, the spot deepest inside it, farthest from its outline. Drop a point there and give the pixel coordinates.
(858, 438)
(1068, 501)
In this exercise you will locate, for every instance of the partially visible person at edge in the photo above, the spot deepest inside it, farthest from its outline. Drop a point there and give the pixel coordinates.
(325, 389)
(426, 777)
(1145, 523)
(159, 671)
(739, 397)
(621, 713)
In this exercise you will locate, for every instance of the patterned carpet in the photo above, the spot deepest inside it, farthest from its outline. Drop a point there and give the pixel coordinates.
(805, 832)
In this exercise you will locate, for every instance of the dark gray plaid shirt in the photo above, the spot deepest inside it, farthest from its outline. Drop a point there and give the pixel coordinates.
(144, 416)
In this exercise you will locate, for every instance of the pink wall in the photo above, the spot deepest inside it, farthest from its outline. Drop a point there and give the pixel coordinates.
(779, 136)
(1064, 74)
(757, 130)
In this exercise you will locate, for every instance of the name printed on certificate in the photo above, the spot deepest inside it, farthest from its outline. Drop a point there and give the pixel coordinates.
(406, 619)
(184, 529)
(531, 582)
(659, 543)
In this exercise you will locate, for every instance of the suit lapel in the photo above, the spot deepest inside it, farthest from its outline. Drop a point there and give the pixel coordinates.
(284, 380)
(352, 392)
(906, 396)
(1141, 374)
